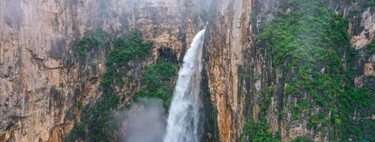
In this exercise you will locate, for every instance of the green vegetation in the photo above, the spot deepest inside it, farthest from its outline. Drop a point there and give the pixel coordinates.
(77, 132)
(99, 119)
(301, 139)
(130, 48)
(97, 122)
(370, 48)
(258, 132)
(312, 47)
(362, 8)
(370, 4)
(91, 41)
(157, 81)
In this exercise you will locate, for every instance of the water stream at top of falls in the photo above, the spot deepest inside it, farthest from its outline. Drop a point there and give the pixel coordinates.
(184, 123)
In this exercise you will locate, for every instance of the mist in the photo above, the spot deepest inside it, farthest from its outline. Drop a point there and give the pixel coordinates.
(144, 122)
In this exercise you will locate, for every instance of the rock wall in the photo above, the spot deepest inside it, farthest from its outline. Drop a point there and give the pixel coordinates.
(229, 35)
(237, 91)
(38, 88)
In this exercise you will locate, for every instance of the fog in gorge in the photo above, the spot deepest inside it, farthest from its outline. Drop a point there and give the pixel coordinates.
(145, 121)
(187, 70)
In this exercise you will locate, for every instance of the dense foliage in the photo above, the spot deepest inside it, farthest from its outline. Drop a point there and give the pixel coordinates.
(157, 81)
(258, 132)
(311, 46)
(370, 48)
(301, 139)
(91, 41)
(97, 122)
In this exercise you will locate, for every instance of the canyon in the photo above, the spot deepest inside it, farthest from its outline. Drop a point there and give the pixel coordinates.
(46, 87)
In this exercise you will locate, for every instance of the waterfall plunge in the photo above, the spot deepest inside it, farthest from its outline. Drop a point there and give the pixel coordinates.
(184, 123)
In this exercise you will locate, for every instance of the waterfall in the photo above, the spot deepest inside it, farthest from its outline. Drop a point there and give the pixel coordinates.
(184, 123)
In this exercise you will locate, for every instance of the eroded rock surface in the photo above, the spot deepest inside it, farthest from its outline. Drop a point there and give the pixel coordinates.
(39, 86)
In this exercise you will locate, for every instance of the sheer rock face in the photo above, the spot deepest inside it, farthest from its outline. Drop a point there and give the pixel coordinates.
(236, 91)
(38, 89)
(229, 35)
(364, 29)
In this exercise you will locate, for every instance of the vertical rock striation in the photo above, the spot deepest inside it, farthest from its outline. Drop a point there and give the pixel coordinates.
(41, 80)
(239, 75)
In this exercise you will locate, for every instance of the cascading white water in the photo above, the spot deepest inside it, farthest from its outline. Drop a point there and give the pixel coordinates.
(184, 123)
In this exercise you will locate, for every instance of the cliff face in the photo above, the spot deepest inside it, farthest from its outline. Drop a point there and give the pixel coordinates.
(229, 35)
(34, 41)
(40, 86)
(239, 74)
